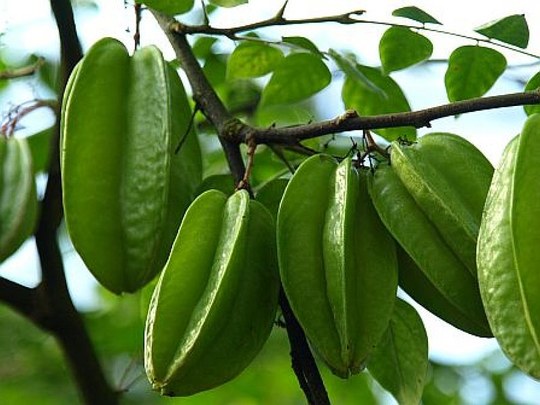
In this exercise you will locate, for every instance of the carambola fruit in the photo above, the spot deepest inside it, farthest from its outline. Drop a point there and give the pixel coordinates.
(215, 302)
(431, 198)
(18, 201)
(337, 262)
(508, 253)
(125, 189)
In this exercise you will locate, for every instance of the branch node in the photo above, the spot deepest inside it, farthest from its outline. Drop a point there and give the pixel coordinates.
(279, 15)
(346, 116)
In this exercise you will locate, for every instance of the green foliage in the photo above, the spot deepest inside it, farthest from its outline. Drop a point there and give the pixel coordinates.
(303, 43)
(400, 360)
(532, 84)
(472, 71)
(171, 7)
(512, 29)
(401, 47)
(228, 3)
(253, 59)
(297, 77)
(416, 14)
(383, 97)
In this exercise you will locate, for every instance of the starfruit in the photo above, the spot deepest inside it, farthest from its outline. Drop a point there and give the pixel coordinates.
(216, 299)
(337, 262)
(18, 201)
(431, 200)
(125, 188)
(508, 253)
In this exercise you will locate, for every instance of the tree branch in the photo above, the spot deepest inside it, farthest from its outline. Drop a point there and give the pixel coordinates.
(350, 121)
(277, 20)
(23, 71)
(57, 314)
(18, 297)
(207, 100)
(205, 96)
(346, 19)
(302, 360)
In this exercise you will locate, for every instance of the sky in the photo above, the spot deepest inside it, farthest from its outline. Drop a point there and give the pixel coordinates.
(28, 25)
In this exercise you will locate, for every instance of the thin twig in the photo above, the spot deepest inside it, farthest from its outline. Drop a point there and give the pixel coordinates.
(17, 113)
(277, 20)
(346, 19)
(23, 71)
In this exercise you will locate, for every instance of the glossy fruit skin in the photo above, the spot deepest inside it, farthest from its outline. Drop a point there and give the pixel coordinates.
(430, 198)
(18, 200)
(337, 262)
(216, 300)
(508, 255)
(125, 189)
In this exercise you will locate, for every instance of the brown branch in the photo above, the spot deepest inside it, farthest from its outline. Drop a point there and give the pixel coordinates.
(18, 297)
(277, 20)
(57, 314)
(16, 114)
(207, 100)
(346, 19)
(418, 119)
(204, 95)
(23, 71)
(302, 360)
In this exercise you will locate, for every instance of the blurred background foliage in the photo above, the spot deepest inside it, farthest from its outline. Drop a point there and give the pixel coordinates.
(32, 369)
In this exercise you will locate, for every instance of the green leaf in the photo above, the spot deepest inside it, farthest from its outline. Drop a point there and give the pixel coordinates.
(270, 194)
(400, 361)
(253, 59)
(171, 7)
(472, 71)
(512, 30)
(400, 48)
(299, 76)
(388, 98)
(303, 43)
(532, 84)
(416, 14)
(349, 67)
(228, 3)
(202, 47)
(39, 144)
(215, 69)
(221, 182)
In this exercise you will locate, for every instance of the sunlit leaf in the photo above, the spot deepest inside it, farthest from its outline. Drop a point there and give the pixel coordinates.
(203, 46)
(400, 48)
(228, 3)
(472, 71)
(253, 59)
(304, 43)
(416, 14)
(532, 84)
(171, 7)
(350, 68)
(40, 146)
(388, 98)
(512, 30)
(400, 361)
(298, 76)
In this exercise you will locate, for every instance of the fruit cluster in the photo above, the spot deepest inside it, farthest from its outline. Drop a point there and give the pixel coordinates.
(340, 239)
